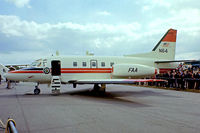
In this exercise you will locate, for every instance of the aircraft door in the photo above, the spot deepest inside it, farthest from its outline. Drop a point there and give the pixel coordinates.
(55, 68)
(93, 64)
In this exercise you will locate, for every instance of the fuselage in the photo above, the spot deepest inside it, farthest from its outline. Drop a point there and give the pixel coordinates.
(85, 67)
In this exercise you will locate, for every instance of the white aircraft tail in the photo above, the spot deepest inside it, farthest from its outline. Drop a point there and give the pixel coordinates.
(165, 48)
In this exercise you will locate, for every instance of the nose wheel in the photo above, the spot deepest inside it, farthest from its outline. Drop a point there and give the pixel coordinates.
(36, 90)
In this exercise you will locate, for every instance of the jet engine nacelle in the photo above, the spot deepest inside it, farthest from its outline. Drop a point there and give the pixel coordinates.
(133, 70)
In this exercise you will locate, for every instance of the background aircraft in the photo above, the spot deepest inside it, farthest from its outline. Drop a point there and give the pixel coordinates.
(3, 70)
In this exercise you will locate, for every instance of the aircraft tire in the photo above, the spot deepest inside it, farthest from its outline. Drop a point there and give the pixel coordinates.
(96, 87)
(97, 90)
(37, 91)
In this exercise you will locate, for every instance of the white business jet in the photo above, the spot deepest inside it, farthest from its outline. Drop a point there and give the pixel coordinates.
(100, 70)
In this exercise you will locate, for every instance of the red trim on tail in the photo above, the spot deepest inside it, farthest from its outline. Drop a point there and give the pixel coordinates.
(171, 36)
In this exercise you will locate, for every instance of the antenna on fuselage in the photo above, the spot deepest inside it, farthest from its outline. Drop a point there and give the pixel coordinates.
(57, 53)
(89, 54)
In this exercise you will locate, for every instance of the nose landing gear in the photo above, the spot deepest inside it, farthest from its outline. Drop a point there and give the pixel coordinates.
(37, 90)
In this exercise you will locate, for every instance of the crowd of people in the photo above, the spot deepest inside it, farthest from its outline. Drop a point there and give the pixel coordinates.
(181, 78)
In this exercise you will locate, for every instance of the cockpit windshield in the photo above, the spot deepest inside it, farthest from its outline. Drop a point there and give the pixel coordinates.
(37, 63)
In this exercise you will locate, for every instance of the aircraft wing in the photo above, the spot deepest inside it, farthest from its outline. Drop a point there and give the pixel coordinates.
(113, 81)
(175, 61)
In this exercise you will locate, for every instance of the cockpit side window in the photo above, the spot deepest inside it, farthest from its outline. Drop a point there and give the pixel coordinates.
(37, 63)
(44, 62)
(34, 64)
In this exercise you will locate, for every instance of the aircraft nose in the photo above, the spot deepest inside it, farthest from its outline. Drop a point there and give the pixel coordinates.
(15, 76)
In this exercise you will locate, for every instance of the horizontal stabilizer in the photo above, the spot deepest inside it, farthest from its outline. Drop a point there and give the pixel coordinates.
(176, 61)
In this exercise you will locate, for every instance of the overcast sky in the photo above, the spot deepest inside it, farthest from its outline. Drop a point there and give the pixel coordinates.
(31, 29)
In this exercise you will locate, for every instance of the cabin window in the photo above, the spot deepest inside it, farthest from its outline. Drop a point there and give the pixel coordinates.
(74, 64)
(84, 64)
(111, 64)
(94, 64)
(103, 64)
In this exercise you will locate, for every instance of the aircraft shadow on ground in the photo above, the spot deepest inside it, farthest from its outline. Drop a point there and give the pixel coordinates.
(111, 97)
(142, 93)
(107, 98)
(124, 98)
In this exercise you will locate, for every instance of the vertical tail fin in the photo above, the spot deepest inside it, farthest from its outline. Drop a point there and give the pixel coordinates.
(166, 47)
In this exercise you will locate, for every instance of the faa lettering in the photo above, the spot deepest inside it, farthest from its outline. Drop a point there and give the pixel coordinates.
(132, 69)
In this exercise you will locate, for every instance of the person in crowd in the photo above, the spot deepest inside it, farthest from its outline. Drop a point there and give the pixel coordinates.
(157, 77)
(178, 80)
(172, 79)
(8, 84)
(192, 80)
(186, 77)
(0, 78)
(167, 77)
(199, 79)
(182, 81)
(196, 78)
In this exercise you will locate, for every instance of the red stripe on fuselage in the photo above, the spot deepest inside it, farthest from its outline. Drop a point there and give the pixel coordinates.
(85, 69)
(29, 71)
(71, 70)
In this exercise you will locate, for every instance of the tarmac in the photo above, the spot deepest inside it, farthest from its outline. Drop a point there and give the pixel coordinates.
(123, 109)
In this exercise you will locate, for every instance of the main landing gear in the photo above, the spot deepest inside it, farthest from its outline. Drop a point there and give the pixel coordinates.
(37, 90)
(99, 89)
